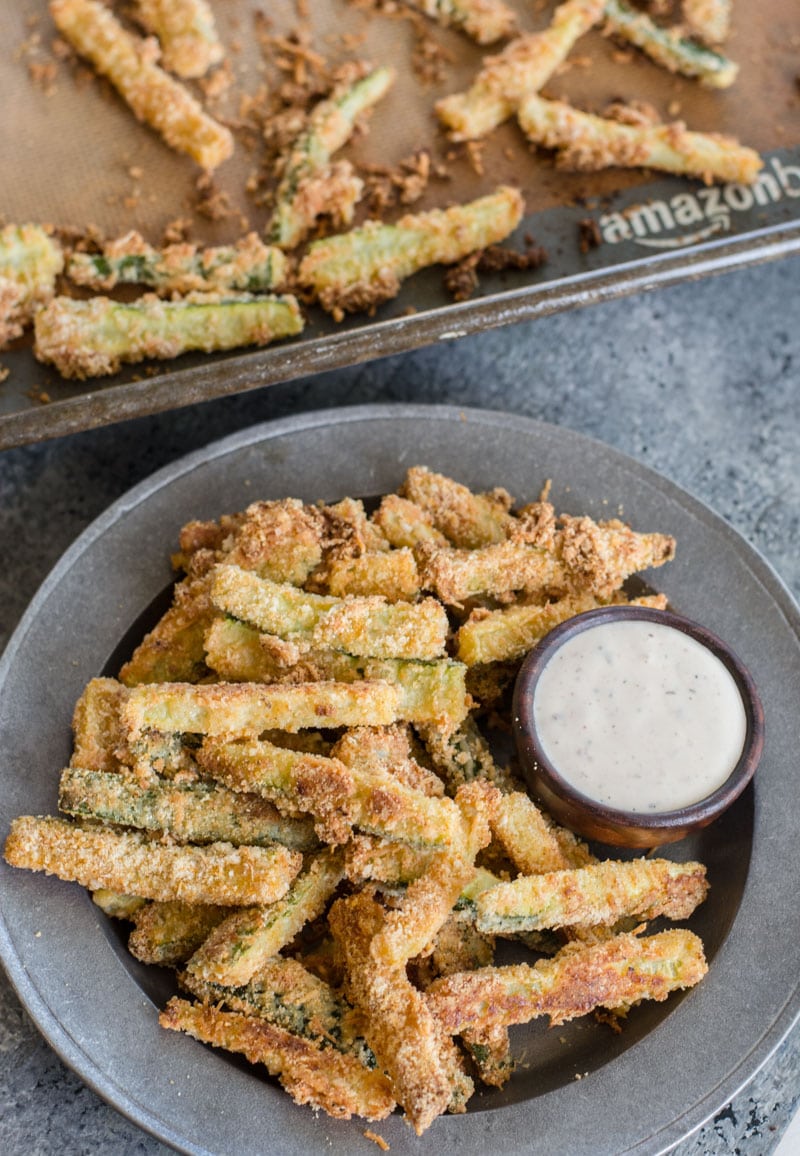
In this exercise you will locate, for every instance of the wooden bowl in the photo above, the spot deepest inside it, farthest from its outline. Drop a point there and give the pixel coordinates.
(592, 818)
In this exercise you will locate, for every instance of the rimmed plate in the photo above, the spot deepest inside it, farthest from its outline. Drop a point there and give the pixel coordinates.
(641, 1092)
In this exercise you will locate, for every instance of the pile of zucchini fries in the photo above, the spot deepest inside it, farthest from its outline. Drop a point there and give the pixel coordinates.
(289, 793)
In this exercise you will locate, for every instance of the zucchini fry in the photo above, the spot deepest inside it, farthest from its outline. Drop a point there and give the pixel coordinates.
(422, 1063)
(387, 750)
(532, 844)
(412, 927)
(151, 94)
(361, 269)
(433, 692)
(600, 893)
(669, 47)
(462, 756)
(390, 574)
(588, 143)
(279, 540)
(186, 32)
(250, 708)
(173, 650)
(618, 971)
(465, 519)
(167, 934)
(30, 261)
(406, 524)
(456, 575)
(322, 1077)
(522, 68)
(485, 21)
(304, 191)
(195, 812)
(239, 947)
(96, 337)
(338, 796)
(96, 858)
(249, 266)
(364, 627)
(287, 994)
(96, 729)
(116, 905)
(501, 635)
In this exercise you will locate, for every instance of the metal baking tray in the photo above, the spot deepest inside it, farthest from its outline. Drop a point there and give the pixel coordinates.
(72, 155)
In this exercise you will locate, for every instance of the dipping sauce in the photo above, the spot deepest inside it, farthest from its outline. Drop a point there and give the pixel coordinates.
(639, 716)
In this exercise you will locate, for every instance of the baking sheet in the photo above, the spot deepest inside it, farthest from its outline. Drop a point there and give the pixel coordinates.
(697, 1049)
(72, 154)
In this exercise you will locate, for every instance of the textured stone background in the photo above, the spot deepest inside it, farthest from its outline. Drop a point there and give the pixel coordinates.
(701, 382)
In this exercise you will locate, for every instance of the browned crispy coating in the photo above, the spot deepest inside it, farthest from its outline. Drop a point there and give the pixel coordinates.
(466, 519)
(173, 651)
(95, 858)
(422, 1063)
(580, 978)
(322, 1077)
(96, 729)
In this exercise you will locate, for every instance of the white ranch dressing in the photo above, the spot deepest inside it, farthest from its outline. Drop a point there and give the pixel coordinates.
(639, 716)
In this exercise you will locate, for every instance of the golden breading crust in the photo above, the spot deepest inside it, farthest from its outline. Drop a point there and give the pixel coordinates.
(421, 1061)
(579, 979)
(95, 858)
(322, 1077)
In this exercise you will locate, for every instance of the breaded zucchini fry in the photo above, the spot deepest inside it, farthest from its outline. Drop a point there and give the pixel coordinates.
(323, 1077)
(116, 905)
(405, 523)
(669, 47)
(362, 268)
(287, 994)
(30, 261)
(465, 519)
(422, 1063)
(599, 893)
(462, 756)
(708, 20)
(391, 574)
(500, 635)
(195, 812)
(167, 934)
(186, 32)
(249, 266)
(250, 708)
(485, 21)
(95, 858)
(151, 94)
(240, 946)
(173, 650)
(387, 750)
(532, 844)
(427, 691)
(455, 575)
(589, 143)
(520, 69)
(370, 859)
(622, 970)
(279, 540)
(364, 627)
(96, 729)
(304, 191)
(412, 927)
(338, 796)
(96, 337)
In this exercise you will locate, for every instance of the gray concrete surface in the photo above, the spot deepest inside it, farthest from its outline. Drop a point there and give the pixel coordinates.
(701, 382)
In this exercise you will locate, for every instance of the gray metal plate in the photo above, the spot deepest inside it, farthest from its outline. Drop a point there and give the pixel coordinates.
(673, 1066)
